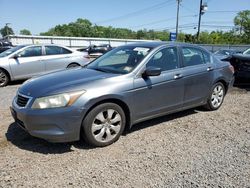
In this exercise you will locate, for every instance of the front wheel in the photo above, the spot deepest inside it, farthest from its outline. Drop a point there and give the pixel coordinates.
(216, 97)
(103, 125)
(4, 78)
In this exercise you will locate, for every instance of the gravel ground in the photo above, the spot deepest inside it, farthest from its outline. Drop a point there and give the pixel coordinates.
(194, 148)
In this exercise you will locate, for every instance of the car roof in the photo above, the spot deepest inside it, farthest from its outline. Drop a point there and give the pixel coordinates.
(159, 43)
(44, 44)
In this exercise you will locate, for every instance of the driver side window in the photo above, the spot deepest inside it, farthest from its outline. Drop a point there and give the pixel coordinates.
(31, 51)
(166, 59)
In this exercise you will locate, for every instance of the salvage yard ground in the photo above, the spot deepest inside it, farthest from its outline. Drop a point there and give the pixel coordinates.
(194, 148)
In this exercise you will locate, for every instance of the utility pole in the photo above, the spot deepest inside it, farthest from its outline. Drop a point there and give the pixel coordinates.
(199, 23)
(177, 18)
(203, 9)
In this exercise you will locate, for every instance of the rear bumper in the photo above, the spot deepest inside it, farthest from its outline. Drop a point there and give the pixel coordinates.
(53, 125)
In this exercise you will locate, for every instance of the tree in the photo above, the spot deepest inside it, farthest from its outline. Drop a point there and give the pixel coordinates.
(84, 28)
(242, 23)
(25, 32)
(6, 30)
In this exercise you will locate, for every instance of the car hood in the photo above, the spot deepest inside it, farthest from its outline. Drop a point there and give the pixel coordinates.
(61, 82)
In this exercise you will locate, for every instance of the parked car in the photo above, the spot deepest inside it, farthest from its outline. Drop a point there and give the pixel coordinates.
(241, 64)
(125, 86)
(225, 53)
(96, 50)
(26, 61)
(5, 45)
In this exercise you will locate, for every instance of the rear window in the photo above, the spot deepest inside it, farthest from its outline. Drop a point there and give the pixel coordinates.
(195, 56)
(56, 50)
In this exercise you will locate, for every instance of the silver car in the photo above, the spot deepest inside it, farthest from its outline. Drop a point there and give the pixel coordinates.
(26, 61)
(125, 86)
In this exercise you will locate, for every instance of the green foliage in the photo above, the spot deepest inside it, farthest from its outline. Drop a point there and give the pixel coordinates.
(84, 28)
(242, 22)
(6, 30)
(25, 32)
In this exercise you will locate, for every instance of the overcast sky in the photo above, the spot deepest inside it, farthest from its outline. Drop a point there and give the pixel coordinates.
(39, 16)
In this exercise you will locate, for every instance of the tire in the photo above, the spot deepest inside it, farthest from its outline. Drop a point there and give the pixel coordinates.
(4, 78)
(216, 97)
(73, 65)
(103, 125)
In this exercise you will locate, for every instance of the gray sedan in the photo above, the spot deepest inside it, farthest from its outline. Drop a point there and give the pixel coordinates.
(26, 61)
(127, 85)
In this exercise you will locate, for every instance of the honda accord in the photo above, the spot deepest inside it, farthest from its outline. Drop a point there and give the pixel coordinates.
(125, 86)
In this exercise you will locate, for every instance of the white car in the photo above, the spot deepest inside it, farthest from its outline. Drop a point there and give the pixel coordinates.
(26, 61)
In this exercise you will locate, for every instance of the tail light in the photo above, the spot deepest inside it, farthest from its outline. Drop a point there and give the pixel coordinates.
(231, 68)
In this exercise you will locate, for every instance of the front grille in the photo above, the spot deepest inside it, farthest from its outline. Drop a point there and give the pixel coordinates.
(22, 101)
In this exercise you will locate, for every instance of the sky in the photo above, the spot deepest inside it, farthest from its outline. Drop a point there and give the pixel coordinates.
(39, 16)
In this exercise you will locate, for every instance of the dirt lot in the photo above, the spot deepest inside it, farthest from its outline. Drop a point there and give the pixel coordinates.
(194, 148)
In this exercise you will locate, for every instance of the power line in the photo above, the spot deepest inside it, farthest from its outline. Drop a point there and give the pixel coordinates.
(142, 11)
(193, 25)
(188, 9)
(161, 21)
(224, 11)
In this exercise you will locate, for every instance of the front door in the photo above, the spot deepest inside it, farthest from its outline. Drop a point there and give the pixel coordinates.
(157, 95)
(28, 63)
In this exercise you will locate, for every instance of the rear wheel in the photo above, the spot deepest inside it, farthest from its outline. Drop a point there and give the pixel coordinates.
(103, 125)
(4, 78)
(216, 97)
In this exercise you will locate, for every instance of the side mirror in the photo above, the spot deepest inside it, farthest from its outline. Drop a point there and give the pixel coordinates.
(16, 56)
(151, 71)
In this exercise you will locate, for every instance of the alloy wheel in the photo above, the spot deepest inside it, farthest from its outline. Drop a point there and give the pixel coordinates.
(106, 125)
(3, 78)
(217, 96)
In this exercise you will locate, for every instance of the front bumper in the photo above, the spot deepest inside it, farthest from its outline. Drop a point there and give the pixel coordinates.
(53, 125)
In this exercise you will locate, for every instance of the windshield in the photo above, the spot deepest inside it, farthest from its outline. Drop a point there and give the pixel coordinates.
(121, 60)
(10, 51)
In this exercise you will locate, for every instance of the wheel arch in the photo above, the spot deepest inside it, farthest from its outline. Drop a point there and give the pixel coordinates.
(118, 102)
(224, 82)
(73, 63)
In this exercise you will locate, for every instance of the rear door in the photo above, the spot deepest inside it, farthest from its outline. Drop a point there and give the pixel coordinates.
(28, 63)
(197, 74)
(159, 94)
(56, 58)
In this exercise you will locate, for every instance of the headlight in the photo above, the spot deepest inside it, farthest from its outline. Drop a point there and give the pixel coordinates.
(55, 101)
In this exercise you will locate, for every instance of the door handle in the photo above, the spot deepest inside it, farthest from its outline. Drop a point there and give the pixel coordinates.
(210, 69)
(178, 76)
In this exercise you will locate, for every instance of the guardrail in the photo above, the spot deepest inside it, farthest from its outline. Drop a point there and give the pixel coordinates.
(73, 42)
